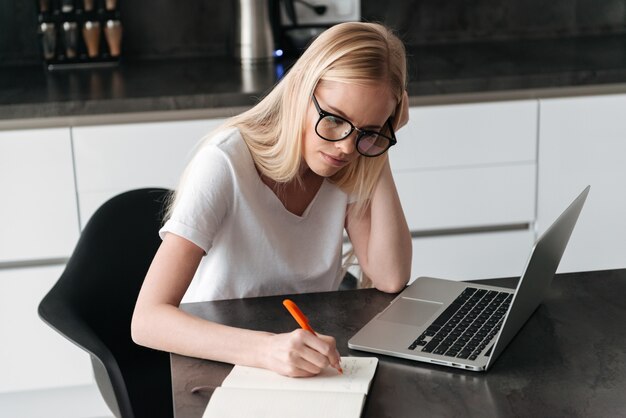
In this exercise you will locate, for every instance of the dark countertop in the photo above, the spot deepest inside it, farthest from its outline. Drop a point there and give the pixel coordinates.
(218, 86)
(567, 360)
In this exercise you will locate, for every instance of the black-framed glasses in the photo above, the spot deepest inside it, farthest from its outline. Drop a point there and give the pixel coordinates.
(335, 128)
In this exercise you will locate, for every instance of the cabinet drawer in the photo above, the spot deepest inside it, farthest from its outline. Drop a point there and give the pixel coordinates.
(467, 134)
(112, 159)
(472, 256)
(38, 210)
(33, 355)
(468, 197)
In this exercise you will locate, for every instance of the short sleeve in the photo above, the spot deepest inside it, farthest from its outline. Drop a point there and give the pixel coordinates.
(203, 198)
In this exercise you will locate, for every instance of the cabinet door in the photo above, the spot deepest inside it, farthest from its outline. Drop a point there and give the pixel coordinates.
(467, 165)
(453, 136)
(38, 210)
(111, 159)
(583, 142)
(468, 197)
(472, 256)
(33, 355)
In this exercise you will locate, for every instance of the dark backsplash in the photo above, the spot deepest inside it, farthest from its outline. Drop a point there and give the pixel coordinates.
(151, 29)
(168, 28)
(435, 21)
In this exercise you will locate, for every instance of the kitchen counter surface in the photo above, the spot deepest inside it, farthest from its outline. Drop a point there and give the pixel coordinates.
(219, 87)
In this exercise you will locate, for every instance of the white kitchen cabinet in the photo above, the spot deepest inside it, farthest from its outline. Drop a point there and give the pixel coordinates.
(33, 355)
(38, 210)
(494, 133)
(583, 142)
(38, 233)
(463, 171)
(111, 159)
(472, 256)
(468, 197)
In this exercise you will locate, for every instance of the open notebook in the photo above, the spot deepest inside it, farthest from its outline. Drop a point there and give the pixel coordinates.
(252, 392)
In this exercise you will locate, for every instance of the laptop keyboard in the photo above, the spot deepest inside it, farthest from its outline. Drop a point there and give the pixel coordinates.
(467, 326)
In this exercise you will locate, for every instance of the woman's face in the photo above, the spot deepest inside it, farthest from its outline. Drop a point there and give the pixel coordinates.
(367, 107)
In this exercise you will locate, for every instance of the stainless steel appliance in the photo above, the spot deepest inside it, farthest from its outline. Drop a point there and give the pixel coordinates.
(296, 22)
(254, 39)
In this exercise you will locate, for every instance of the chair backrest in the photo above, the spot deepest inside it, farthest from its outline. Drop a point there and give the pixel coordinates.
(92, 303)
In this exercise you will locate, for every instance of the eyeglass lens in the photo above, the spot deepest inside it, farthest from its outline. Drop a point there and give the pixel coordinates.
(372, 144)
(334, 129)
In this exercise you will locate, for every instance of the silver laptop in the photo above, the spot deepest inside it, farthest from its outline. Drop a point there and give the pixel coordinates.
(462, 324)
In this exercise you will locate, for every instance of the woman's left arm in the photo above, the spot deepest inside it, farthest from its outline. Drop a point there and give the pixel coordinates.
(381, 238)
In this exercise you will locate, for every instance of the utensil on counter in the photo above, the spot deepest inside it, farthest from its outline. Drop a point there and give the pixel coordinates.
(91, 36)
(113, 35)
(67, 6)
(89, 5)
(70, 38)
(48, 39)
(44, 5)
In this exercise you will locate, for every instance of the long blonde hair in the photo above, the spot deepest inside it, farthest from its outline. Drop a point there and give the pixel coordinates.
(353, 53)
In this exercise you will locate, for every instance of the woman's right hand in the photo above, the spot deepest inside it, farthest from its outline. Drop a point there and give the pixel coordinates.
(301, 353)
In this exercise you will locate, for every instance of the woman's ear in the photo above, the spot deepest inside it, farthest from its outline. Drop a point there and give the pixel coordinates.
(403, 111)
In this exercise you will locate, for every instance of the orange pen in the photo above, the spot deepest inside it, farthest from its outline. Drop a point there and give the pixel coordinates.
(301, 319)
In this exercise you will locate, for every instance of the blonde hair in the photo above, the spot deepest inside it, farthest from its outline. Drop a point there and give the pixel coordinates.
(354, 53)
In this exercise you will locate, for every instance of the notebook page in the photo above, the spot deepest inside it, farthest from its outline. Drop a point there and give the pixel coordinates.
(357, 376)
(260, 403)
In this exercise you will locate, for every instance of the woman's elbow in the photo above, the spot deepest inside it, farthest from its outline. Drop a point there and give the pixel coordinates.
(391, 285)
(389, 288)
(138, 329)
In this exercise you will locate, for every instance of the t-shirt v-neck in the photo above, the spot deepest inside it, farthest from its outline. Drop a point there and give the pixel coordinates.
(268, 189)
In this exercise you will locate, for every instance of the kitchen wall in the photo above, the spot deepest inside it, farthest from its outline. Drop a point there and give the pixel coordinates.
(435, 21)
(200, 28)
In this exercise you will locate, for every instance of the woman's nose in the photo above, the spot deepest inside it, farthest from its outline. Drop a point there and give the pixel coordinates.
(348, 144)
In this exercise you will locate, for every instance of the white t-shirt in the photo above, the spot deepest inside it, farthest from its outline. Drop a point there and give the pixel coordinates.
(254, 246)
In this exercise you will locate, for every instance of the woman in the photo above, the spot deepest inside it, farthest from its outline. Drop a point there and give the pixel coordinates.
(262, 206)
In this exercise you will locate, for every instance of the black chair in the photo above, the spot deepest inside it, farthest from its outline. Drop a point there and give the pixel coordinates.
(93, 301)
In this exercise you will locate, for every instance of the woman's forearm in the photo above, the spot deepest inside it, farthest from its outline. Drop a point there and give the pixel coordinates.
(390, 247)
(165, 327)
(298, 353)
(381, 237)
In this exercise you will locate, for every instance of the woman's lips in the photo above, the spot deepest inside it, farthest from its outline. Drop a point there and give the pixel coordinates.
(336, 162)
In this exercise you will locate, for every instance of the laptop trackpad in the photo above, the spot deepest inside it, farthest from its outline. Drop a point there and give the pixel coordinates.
(410, 311)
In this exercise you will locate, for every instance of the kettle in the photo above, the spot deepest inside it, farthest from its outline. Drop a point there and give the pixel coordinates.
(254, 37)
